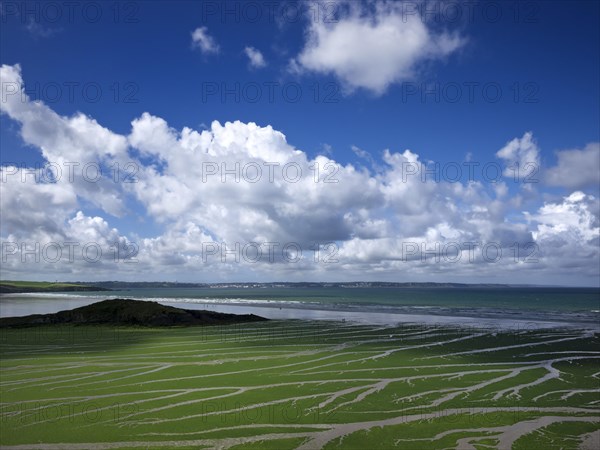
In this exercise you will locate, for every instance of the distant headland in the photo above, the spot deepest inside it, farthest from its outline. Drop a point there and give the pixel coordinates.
(8, 287)
(125, 312)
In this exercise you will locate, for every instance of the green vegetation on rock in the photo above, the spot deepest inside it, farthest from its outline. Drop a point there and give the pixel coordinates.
(14, 287)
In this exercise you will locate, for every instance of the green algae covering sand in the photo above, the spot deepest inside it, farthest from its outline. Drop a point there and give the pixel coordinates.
(298, 384)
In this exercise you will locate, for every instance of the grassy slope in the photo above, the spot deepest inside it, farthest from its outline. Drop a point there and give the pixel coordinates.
(279, 384)
(43, 286)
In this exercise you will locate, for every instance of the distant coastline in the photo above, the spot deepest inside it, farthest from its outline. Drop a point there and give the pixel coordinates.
(19, 287)
(43, 286)
(290, 284)
(363, 302)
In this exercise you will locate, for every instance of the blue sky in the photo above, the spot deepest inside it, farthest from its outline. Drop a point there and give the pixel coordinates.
(543, 57)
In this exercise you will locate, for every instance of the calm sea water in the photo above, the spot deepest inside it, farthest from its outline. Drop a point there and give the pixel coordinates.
(493, 306)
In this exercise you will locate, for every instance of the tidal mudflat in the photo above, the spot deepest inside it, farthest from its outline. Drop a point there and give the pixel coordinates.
(299, 384)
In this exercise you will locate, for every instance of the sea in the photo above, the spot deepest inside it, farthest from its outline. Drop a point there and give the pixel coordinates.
(488, 307)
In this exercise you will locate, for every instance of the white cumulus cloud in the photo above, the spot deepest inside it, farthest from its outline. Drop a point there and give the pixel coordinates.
(205, 42)
(372, 46)
(242, 183)
(77, 145)
(522, 158)
(256, 59)
(576, 169)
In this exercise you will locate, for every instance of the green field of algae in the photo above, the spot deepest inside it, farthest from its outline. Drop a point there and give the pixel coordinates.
(299, 384)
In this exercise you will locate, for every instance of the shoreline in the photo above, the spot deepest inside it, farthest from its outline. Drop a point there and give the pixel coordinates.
(278, 310)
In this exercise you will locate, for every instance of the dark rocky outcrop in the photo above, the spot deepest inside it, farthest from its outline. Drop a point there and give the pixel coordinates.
(124, 312)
